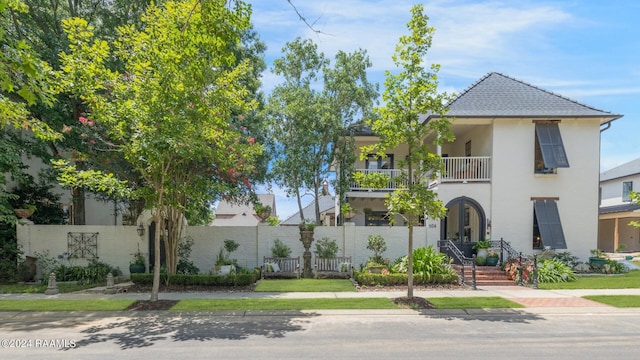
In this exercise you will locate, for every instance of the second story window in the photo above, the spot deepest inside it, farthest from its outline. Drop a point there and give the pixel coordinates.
(627, 188)
(374, 163)
(549, 149)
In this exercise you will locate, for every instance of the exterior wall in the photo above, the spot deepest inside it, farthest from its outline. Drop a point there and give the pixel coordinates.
(611, 191)
(117, 244)
(514, 183)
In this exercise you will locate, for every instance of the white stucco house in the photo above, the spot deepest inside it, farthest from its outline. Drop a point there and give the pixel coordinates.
(524, 167)
(617, 210)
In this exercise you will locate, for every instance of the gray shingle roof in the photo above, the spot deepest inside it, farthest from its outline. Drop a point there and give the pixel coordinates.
(499, 95)
(618, 208)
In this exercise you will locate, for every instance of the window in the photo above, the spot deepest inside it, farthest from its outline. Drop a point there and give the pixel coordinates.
(549, 150)
(627, 187)
(467, 148)
(547, 228)
(376, 218)
(375, 163)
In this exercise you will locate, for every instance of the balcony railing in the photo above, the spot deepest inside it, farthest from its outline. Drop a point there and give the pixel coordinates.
(457, 169)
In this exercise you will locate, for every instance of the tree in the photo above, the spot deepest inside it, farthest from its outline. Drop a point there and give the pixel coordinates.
(408, 95)
(306, 124)
(169, 109)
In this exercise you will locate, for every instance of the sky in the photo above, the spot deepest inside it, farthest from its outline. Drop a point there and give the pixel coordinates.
(586, 50)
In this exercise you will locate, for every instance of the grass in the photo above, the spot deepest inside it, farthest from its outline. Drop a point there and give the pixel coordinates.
(620, 301)
(629, 280)
(40, 288)
(482, 302)
(304, 285)
(283, 304)
(64, 305)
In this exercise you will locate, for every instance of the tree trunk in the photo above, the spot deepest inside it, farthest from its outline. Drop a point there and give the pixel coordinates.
(410, 263)
(78, 206)
(174, 224)
(157, 217)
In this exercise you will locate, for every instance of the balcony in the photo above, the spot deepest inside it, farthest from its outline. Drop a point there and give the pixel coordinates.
(457, 170)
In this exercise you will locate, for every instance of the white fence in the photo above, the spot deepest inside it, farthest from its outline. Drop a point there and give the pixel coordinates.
(115, 245)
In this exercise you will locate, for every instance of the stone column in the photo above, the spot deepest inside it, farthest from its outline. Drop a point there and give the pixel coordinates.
(52, 286)
(306, 236)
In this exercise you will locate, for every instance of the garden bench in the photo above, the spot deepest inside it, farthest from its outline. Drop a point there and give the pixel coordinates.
(275, 267)
(337, 267)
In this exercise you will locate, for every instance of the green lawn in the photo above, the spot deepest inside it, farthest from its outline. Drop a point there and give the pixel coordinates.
(283, 304)
(629, 280)
(64, 305)
(486, 302)
(620, 301)
(304, 285)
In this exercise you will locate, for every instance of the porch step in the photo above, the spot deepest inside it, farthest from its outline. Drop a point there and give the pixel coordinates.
(486, 276)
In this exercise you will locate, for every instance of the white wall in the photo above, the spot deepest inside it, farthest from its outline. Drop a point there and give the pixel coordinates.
(117, 244)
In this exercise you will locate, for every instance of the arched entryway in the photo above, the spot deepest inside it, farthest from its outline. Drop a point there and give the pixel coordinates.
(464, 224)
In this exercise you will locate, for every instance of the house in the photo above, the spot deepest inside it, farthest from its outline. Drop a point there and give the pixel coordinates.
(524, 167)
(326, 205)
(242, 214)
(617, 210)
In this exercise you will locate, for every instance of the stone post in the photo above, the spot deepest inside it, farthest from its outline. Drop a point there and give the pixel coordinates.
(52, 287)
(306, 236)
(111, 289)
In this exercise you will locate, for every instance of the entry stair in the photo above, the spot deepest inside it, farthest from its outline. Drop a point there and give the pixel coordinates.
(486, 275)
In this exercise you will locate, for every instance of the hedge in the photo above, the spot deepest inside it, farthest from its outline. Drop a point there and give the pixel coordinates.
(241, 279)
(369, 279)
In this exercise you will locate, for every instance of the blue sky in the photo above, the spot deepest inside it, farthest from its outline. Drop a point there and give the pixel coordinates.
(587, 50)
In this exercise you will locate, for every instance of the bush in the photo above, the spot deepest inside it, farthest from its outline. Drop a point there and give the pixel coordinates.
(94, 273)
(280, 249)
(555, 271)
(234, 279)
(185, 265)
(429, 266)
(326, 248)
(567, 258)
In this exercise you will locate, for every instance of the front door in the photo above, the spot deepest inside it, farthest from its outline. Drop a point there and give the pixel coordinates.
(464, 224)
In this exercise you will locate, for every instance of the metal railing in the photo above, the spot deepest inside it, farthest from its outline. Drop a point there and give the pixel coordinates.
(463, 260)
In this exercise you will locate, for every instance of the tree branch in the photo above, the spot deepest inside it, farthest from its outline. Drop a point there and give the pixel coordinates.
(304, 20)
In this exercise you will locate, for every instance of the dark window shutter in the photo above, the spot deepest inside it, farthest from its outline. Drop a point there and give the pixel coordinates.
(550, 141)
(548, 217)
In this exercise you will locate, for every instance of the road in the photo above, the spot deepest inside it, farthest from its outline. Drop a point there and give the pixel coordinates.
(396, 334)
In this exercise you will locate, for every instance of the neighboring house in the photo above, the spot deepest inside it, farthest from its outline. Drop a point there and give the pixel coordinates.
(524, 167)
(617, 210)
(231, 214)
(327, 206)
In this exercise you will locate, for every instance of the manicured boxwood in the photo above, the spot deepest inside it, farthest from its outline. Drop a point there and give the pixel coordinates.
(240, 279)
(369, 279)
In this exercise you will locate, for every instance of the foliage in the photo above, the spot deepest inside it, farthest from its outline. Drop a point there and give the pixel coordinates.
(138, 258)
(170, 108)
(553, 271)
(482, 244)
(409, 95)
(597, 253)
(429, 266)
(273, 221)
(46, 264)
(310, 111)
(567, 258)
(613, 267)
(378, 246)
(225, 251)
(94, 273)
(185, 265)
(326, 248)
(232, 279)
(10, 252)
(42, 199)
(280, 249)
(307, 224)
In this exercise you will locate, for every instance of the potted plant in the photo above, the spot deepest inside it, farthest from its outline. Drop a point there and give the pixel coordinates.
(25, 211)
(137, 265)
(482, 248)
(347, 210)
(597, 259)
(492, 258)
(263, 211)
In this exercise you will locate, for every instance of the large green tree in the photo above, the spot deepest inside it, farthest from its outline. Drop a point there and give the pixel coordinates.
(310, 112)
(410, 93)
(170, 109)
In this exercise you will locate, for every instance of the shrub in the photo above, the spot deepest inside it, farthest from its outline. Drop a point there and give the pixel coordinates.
(326, 248)
(94, 273)
(185, 265)
(429, 266)
(378, 246)
(245, 278)
(613, 267)
(280, 249)
(567, 258)
(555, 271)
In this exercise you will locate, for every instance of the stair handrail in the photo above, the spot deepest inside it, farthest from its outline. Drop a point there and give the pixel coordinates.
(464, 261)
(505, 247)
